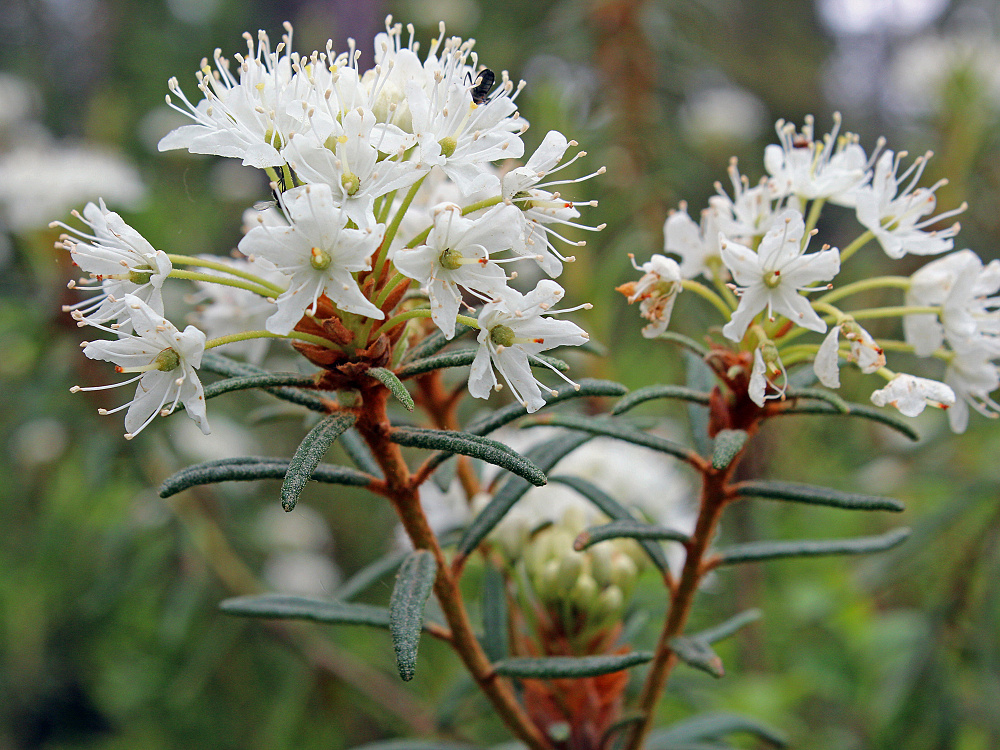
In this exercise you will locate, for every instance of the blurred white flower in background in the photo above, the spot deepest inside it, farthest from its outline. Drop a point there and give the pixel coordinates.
(722, 116)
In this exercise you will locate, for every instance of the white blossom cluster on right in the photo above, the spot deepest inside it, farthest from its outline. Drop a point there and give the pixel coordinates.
(751, 246)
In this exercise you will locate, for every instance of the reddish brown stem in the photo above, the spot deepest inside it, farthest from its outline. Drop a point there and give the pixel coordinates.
(713, 499)
(403, 492)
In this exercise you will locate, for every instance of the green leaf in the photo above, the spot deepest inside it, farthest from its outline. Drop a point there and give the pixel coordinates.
(555, 667)
(356, 449)
(301, 608)
(805, 493)
(434, 343)
(727, 446)
(468, 444)
(856, 410)
(395, 385)
(756, 551)
(463, 358)
(369, 575)
(700, 377)
(818, 394)
(545, 457)
(494, 615)
(612, 508)
(698, 654)
(308, 455)
(406, 608)
(712, 726)
(250, 468)
(615, 429)
(612, 732)
(659, 391)
(728, 627)
(456, 358)
(269, 380)
(628, 528)
(220, 365)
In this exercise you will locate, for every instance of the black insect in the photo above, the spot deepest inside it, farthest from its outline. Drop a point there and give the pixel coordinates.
(484, 82)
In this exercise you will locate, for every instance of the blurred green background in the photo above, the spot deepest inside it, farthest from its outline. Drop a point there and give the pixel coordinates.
(109, 632)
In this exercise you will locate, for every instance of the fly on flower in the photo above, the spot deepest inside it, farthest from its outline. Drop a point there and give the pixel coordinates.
(484, 82)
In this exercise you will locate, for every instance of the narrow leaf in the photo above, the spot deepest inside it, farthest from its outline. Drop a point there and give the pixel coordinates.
(555, 667)
(250, 468)
(389, 380)
(494, 615)
(456, 358)
(612, 508)
(549, 363)
(368, 575)
(434, 343)
(856, 410)
(497, 419)
(698, 654)
(545, 457)
(468, 444)
(308, 455)
(756, 551)
(611, 733)
(269, 380)
(359, 453)
(659, 391)
(220, 365)
(406, 608)
(615, 429)
(302, 608)
(805, 493)
(699, 376)
(728, 444)
(728, 627)
(712, 726)
(819, 394)
(629, 528)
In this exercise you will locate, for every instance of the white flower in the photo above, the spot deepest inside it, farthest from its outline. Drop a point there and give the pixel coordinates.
(748, 214)
(249, 118)
(865, 352)
(460, 136)
(120, 261)
(457, 255)
(766, 359)
(961, 285)
(772, 277)
(656, 292)
(225, 310)
(512, 331)
(697, 246)
(541, 209)
(318, 252)
(894, 216)
(345, 157)
(911, 394)
(166, 359)
(832, 168)
(973, 377)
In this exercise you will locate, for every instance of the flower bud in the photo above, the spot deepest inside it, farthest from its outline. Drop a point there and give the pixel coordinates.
(584, 592)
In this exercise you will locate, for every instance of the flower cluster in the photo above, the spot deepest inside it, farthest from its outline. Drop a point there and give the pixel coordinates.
(753, 248)
(380, 178)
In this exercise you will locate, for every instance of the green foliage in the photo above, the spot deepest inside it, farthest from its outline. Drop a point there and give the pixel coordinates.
(311, 450)
(396, 388)
(759, 551)
(272, 606)
(727, 445)
(406, 608)
(469, 444)
(555, 667)
(805, 493)
(616, 429)
(251, 468)
(627, 528)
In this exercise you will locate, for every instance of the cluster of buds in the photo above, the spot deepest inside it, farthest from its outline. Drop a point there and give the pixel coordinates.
(380, 178)
(580, 593)
(751, 247)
